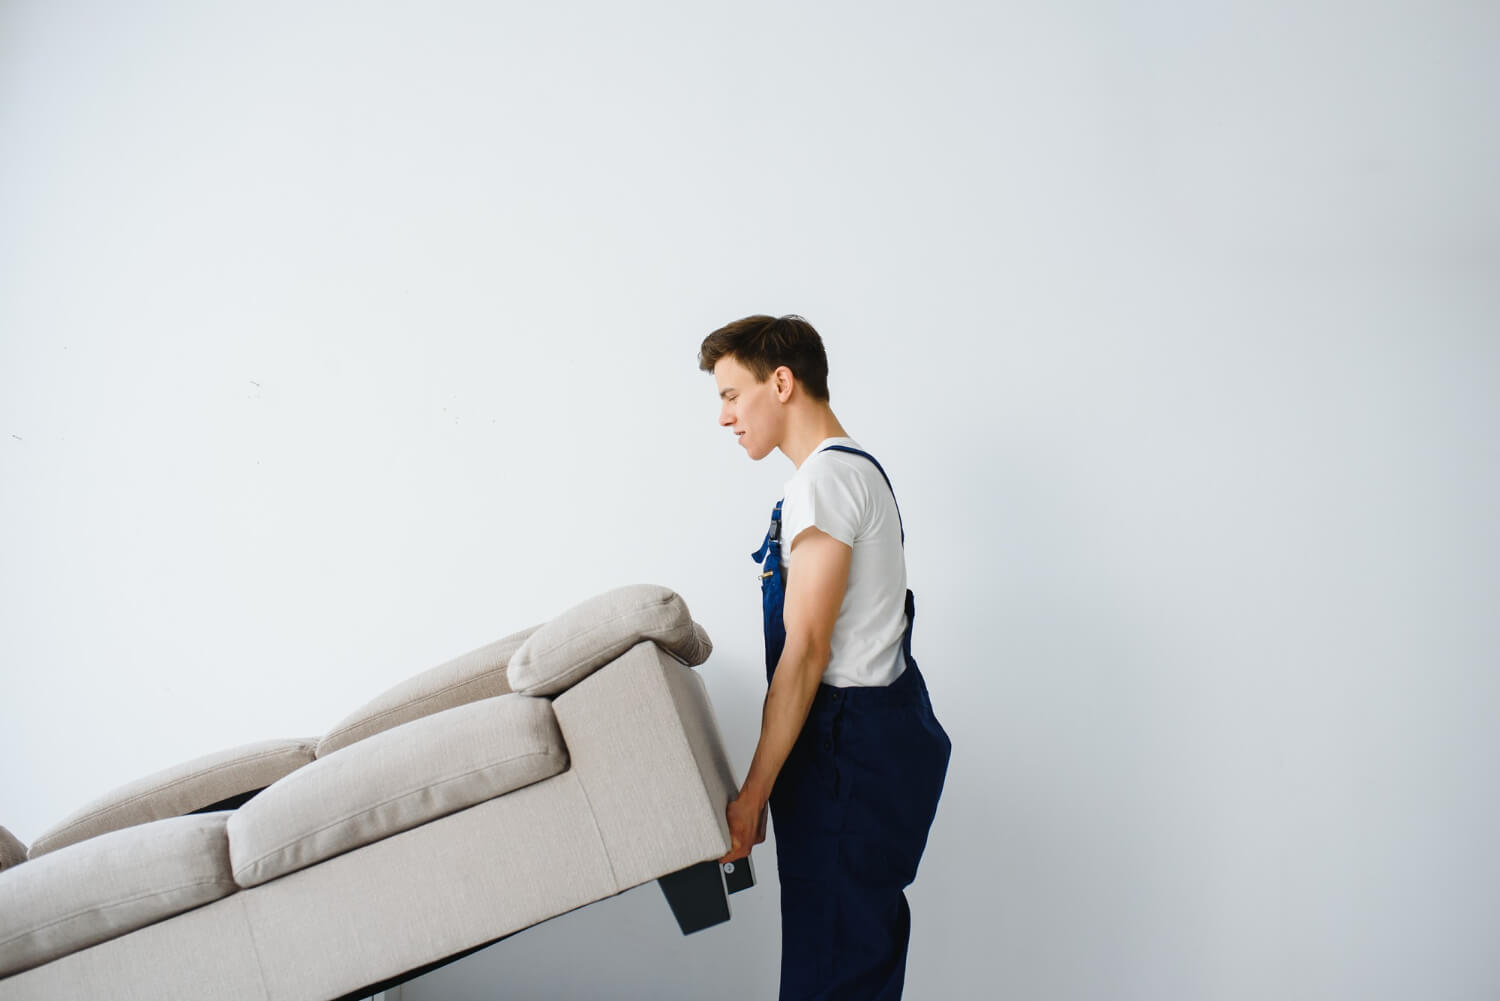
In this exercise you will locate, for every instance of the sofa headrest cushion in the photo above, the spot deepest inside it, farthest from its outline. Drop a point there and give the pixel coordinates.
(591, 634)
(12, 852)
(478, 674)
(186, 788)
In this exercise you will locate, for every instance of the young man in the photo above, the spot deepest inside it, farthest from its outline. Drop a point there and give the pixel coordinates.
(851, 759)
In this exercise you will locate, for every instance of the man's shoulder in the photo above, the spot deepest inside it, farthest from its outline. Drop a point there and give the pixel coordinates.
(830, 493)
(831, 459)
(833, 466)
(854, 469)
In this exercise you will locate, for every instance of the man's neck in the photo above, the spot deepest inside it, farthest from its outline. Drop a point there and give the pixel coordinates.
(800, 442)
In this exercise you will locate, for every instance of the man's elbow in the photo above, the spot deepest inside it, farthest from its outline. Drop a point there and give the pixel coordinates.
(815, 653)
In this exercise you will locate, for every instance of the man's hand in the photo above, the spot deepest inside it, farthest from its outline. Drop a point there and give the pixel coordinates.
(747, 825)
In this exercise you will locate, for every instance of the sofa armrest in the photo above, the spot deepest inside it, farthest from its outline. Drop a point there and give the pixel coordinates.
(645, 745)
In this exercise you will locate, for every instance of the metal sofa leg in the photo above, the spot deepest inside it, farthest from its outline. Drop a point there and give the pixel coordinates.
(699, 896)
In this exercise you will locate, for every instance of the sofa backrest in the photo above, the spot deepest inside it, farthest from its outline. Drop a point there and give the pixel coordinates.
(12, 852)
(200, 784)
(478, 674)
(541, 661)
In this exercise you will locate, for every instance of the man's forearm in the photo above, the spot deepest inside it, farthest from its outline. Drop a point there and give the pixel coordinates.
(788, 701)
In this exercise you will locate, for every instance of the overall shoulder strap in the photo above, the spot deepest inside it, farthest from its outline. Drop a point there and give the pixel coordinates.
(773, 535)
(867, 455)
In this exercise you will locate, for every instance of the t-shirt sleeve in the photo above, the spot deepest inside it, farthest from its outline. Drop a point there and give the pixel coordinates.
(832, 498)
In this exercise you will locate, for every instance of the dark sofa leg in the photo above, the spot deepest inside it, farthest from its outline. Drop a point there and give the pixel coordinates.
(739, 876)
(697, 896)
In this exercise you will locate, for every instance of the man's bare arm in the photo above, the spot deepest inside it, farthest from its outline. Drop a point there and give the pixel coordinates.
(814, 595)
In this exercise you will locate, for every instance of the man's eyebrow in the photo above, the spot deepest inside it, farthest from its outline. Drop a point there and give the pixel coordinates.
(726, 389)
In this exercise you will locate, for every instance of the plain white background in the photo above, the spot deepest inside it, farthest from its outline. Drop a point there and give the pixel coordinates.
(339, 339)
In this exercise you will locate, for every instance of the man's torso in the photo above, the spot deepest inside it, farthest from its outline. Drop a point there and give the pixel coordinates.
(846, 496)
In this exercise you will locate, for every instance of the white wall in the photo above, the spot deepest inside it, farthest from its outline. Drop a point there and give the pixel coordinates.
(336, 340)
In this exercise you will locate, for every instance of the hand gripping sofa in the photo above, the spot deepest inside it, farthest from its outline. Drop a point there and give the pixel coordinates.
(549, 769)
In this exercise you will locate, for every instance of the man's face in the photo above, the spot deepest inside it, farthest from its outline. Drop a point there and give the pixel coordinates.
(752, 410)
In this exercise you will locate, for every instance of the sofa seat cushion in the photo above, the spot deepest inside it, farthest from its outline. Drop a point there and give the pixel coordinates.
(95, 890)
(394, 780)
(191, 786)
(589, 635)
(478, 674)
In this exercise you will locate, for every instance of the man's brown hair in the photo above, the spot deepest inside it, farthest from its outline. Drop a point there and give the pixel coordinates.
(764, 343)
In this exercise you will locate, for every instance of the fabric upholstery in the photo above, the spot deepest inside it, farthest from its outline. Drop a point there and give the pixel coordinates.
(644, 797)
(573, 645)
(12, 851)
(366, 915)
(429, 892)
(478, 674)
(109, 885)
(393, 781)
(181, 789)
(631, 743)
(205, 954)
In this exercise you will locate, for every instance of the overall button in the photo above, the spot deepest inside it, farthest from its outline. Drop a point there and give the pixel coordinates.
(827, 745)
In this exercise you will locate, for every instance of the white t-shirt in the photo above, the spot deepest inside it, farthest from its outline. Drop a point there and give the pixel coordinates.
(845, 496)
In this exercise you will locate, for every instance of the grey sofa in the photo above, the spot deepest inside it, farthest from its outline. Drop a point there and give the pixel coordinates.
(552, 768)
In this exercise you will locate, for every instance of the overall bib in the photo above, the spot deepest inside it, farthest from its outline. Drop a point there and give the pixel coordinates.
(852, 807)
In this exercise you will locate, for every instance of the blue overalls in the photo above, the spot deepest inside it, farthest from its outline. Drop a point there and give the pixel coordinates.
(852, 806)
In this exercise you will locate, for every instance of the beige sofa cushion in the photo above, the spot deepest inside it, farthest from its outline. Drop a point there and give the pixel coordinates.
(122, 880)
(478, 674)
(172, 792)
(395, 780)
(11, 850)
(572, 646)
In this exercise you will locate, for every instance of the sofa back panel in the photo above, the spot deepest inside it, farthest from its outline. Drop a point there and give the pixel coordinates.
(12, 852)
(181, 789)
(478, 674)
(395, 780)
(589, 635)
(93, 891)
